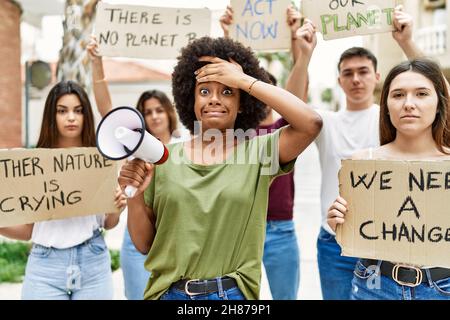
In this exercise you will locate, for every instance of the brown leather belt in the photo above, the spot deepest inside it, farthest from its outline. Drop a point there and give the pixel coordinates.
(407, 275)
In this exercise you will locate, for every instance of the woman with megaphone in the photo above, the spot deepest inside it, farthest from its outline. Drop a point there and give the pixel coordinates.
(161, 121)
(201, 215)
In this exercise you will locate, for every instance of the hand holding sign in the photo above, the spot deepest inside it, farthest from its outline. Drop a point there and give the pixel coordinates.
(306, 38)
(293, 19)
(336, 213)
(226, 20)
(403, 23)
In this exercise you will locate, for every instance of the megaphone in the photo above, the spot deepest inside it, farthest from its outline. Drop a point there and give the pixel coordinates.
(121, 134)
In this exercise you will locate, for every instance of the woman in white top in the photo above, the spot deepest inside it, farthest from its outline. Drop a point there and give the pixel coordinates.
(162, 122)
(69, 259)
(414, 125)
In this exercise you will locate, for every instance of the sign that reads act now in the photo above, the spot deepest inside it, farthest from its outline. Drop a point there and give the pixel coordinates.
(47, 184)
(346, 18)
(397, 211)
(261, 24)
(148, 32)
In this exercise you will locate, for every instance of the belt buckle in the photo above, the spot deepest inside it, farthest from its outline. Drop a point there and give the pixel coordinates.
(187, 290)
(419, 275)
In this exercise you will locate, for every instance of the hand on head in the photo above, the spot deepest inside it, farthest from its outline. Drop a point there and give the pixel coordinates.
(226, 72)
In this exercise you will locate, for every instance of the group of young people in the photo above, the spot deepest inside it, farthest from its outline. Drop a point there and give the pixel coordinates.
(201, 224)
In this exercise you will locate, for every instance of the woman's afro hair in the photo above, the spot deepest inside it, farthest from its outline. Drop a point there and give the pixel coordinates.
(183, 79)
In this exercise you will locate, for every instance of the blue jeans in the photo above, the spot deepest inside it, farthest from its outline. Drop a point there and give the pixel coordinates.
(368, 284)
(336, 271)
(282, 259)
(82, 272)
(233, 293)
(135, 276)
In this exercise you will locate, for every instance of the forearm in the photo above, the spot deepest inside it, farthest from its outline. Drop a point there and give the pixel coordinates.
(21, 232)
(140, 224)
(411, 50)
(297, 82)
(300, 117)
(100, 86)
(111, 220)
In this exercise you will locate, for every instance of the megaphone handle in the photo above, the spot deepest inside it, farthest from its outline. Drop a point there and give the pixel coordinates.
(130, 191)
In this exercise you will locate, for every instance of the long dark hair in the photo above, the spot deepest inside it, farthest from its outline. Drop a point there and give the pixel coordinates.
(432, 72)
(48, 138)
(165, 103)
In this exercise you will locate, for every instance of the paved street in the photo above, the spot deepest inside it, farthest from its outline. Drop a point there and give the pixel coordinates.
(307, 219)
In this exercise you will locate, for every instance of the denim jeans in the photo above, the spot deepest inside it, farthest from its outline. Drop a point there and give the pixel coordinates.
(233, 293)
(282, 259)
(82, 272)
(368, 284)
(336, 271)
(135, 276)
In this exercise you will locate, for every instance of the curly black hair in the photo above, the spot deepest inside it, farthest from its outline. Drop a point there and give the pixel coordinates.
(183, 79)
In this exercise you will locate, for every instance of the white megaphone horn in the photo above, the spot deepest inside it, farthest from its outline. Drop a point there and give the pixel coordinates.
(121, 134)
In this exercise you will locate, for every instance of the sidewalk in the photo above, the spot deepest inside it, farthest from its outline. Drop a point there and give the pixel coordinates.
(307, 219)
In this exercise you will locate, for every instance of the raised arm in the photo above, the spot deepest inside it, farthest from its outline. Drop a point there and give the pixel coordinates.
(141, 220)
(226, 20)
(304, 123)
(101, 91)
(304, 42)
(403, 23)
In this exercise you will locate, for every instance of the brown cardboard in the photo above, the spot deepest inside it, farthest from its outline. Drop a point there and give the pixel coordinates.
(261, 25)
(148, 32)
(392, 189)
(346, 18)
(47, 184)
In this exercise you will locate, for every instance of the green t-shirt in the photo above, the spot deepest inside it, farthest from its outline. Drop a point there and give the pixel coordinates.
(211, 219)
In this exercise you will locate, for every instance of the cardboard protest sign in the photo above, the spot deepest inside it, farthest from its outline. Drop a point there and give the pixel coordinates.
(398, 211)
(47, 184)
(346, 18)
(148, 32)
(262, 25)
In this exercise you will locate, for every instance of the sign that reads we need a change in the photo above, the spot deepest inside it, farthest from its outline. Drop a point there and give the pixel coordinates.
(397, 211)
(345, 18)
(148, 32)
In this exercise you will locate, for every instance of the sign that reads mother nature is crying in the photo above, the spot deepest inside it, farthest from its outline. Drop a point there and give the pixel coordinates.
(345, 18)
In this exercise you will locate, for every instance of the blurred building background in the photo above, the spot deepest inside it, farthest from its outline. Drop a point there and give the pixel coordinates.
(32, 30)
(431, 33)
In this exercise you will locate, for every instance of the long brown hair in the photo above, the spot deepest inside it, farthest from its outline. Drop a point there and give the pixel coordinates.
(432, 72)
(165, 103)
(48, 137)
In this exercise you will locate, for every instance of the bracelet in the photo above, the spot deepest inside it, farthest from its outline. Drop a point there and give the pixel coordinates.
(101, 80)
(251, 85)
